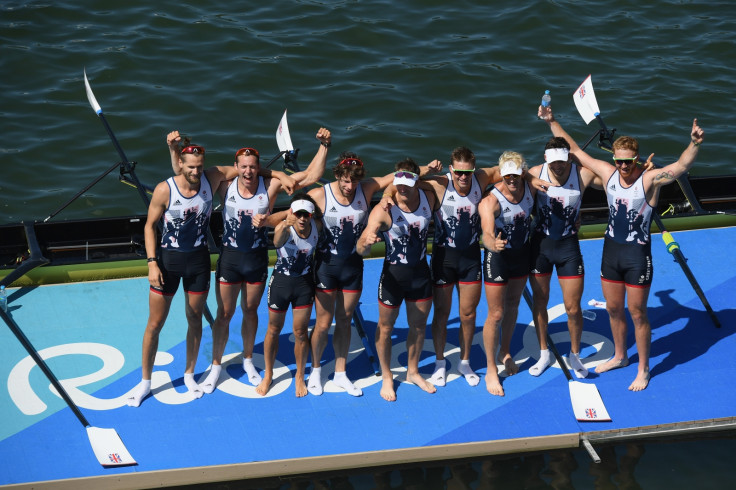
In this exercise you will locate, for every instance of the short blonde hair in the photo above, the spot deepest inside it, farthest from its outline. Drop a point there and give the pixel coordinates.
(513, 156)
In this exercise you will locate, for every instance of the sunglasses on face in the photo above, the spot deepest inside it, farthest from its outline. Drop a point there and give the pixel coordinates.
(247, 152)
(460, 172)
(622, 161)
(351, 161)
(511, 177)
(303, 214)
(193, 150)
(408, 175)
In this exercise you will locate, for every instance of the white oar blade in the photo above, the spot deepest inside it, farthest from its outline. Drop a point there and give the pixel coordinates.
(584, 98)
(108, 447)
(283, 138)
(90, 95)
(587, 404)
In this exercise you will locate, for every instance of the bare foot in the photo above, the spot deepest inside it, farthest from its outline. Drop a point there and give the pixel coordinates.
(301, 387)
(641, 381)
(418, 380)
(493, 384)
(264, 386)
(509, 364)
(612, 363)
(387, 390)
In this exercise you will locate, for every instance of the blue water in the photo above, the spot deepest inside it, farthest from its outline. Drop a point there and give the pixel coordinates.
(390, 79)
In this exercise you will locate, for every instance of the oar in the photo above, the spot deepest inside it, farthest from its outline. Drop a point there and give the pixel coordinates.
(587, 404)
(106, 443)
(674, 248)
(359, 322)
(587, 105)
(36, 258)
(129, 167)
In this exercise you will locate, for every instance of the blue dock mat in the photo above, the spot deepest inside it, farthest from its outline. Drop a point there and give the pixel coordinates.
(90, 334)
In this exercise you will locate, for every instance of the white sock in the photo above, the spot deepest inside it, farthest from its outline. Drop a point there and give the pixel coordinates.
(577, 365)
(209, 384)
(439, 374)
(141, 391)
(341, 380)
(192, 385)
(544, 361)
(314, 383)
(470, 376)
(253, 377)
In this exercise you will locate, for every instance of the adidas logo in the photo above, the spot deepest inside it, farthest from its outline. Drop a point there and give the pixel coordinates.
(400, 218)
(388, 303)
(498, 278)
(441, 281)
(333, 210)
(613, 187)
(507, 210)
(177, 203)
(232, 199)
(222, 279)
(451, 198)
(322, 286)
(273, 307)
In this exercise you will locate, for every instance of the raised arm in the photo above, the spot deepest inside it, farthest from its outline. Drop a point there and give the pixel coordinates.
(316, 167)
(172, 140)
(602, 169)
(673, 171)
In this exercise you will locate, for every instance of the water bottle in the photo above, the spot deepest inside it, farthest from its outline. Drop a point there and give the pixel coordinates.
(3, 299)
(546, 99)
(589, 315)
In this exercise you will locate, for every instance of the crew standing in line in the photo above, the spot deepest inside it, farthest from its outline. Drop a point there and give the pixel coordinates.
(506, 222)
(242, 267)
(405, 274)
(292, 283)
(626, 266)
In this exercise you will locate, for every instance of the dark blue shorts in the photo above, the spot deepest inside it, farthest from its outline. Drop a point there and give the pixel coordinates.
(235, 267)
(450, 265)
(510, 263)
(402, 282)
(191, 268)
(629, 263)
(283, 291)
(563, 254)
(339, 274)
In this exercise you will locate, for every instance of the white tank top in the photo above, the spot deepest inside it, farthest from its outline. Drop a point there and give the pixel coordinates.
(630, 215)
(406, 239)
(237, 214)
(343, 224)
(457, 222)
(296, 256)
(515, 219)
(558, 208)
(186, 219)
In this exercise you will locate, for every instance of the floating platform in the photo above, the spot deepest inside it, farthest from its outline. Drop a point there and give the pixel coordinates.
(90, 335)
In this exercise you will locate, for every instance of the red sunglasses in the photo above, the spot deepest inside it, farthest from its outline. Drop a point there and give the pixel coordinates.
(247, 152)
(351, 161)
(192, 149)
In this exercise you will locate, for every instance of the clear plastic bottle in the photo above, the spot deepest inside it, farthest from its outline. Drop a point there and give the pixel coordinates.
(546, 99)
(3, 299)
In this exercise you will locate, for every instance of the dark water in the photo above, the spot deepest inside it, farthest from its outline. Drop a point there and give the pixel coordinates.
(390, 79)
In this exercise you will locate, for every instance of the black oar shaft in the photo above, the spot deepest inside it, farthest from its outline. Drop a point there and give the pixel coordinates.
(42, 364)
(88, 187)
(674, 249)
(359, 322)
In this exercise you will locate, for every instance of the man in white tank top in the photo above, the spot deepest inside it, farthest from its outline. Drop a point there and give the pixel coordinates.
(617, 285)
